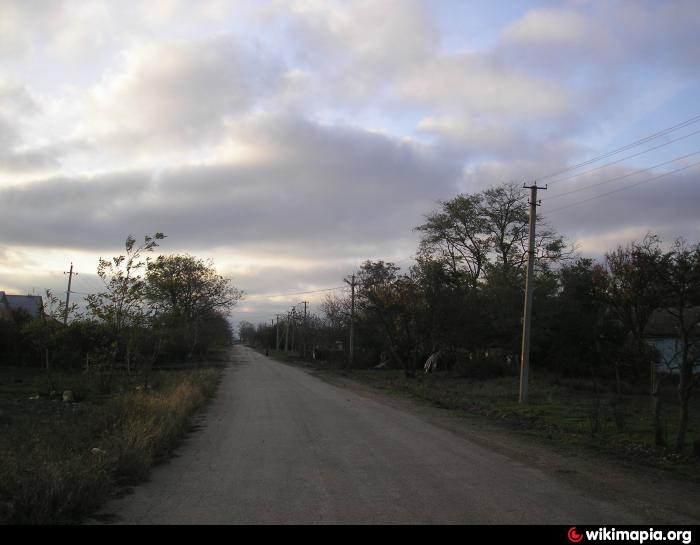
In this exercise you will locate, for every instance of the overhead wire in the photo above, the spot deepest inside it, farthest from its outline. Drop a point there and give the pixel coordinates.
(624, 158)
(618, 190)
(621, 177)
(621, 149)
(270, 296)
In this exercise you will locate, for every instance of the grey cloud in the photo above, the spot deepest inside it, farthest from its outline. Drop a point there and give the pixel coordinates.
(605, 40)
(666, 206)
(16, 105)
(332, 189)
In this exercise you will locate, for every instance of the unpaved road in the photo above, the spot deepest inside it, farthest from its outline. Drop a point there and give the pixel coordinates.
(279, 445)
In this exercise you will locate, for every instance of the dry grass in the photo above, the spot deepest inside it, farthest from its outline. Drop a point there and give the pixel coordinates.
(50, 471)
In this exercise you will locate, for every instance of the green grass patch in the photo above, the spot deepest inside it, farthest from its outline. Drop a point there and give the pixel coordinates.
(60, 460)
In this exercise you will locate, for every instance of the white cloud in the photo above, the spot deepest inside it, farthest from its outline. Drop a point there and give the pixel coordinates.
(550, 27)
(175, 93)
(474, 84)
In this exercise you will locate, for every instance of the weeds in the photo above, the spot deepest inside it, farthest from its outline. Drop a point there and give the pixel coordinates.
(59, 461)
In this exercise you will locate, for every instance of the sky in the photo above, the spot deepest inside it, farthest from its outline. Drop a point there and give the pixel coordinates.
(289, 141)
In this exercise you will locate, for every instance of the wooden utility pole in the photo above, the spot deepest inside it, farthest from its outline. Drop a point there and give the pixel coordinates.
(351, 359)
(529, 286)
(70, 278)
(294, 310)
(277, 343)
(286, 334)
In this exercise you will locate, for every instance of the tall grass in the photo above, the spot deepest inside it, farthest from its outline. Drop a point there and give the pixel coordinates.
(60, 461)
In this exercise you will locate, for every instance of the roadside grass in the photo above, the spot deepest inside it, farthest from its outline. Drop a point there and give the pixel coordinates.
(60, 460)
(564, 413)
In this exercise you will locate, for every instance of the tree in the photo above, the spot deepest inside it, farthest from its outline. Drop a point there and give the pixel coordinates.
(633, 293)
(392, 301)
(122, 303)
(506, 210)
(472, 233)
(246, 332)
(452, 315)
(581, 335)
(456, 237)
(680, 277)
(189, 290)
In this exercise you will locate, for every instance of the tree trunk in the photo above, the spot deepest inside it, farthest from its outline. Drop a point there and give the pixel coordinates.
(659, 439)
(410, 368)
(685, 383)
(195, 340)
(618, 381)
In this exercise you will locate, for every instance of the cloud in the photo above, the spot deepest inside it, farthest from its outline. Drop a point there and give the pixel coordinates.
(665, 206)
(368, 39)
(473, 84)
(16, 106)
(63, 28)
(319, 132)
(549, 28)
(179, 93)
(311, 191)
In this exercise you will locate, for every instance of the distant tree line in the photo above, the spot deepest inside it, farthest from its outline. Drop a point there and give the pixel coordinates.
(151, 310)
(462, 302)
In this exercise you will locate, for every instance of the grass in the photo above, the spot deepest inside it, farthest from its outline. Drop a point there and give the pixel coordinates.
(60, 460)
(564, 413)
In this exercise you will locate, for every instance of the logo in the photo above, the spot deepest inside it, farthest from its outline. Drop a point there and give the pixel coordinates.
(574, 536)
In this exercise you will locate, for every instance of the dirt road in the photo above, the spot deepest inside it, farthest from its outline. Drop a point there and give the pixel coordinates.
(279, 445)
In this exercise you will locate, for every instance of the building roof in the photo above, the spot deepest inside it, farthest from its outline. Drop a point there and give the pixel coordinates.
(4, 307)
(31, 304)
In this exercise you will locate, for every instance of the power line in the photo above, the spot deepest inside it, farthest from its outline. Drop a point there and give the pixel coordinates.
(616, 178)
(624, 188)
(269, 296)
(254, 313)
(626, 147)
(625, 158)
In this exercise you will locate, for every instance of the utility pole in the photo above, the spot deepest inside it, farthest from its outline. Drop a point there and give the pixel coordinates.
(529, 286)
(70, 278)
(286, 333)
(294, 310)
(277, 343)
(352, 319)
(303, 350)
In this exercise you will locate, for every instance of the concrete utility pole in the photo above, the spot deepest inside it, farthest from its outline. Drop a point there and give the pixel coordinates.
(303, 350)
(277, 343)
(351, 359)
(529, 286)
(70, 278)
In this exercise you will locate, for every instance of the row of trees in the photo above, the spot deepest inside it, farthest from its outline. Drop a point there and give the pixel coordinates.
(171, 307)
(463, 301)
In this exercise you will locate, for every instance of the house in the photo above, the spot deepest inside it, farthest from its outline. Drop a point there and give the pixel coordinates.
(662, 334)
(33, 305)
